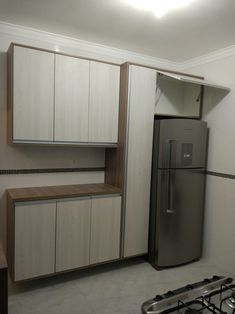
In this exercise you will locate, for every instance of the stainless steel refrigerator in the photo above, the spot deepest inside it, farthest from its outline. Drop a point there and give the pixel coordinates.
(177, 191)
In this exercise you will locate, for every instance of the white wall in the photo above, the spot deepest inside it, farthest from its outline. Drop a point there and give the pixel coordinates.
(219, 112)
(18, 157)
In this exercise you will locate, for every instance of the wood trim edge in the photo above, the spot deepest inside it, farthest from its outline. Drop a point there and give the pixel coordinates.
(167, 70)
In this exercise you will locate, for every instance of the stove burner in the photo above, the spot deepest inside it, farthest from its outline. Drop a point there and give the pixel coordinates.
(192, 311)
(214, 295)
(231, 301)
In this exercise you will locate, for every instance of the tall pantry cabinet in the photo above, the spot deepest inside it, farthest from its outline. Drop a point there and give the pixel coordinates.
(141, 103)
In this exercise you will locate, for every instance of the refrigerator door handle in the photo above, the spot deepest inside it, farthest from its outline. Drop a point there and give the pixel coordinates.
(169, 147)
(169, 159)
(169, 205)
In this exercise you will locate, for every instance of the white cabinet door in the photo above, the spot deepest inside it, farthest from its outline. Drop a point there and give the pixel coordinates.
(105, 229)
(33, 95)
(104, 102)
(34, 239)
(141, 118)
(73, 233)
(71, 99)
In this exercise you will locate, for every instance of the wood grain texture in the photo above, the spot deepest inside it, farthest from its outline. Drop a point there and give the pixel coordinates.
(63, 54)
(104, 102)
(11, 236)
(33, 94)
(10, 94)
(115, 158)
(72, 234)
(3, 260)
(105, 229)
(71, 99)
(167, 70)
(3, 282)
(60, 191)
(141, 118)
(34, 239)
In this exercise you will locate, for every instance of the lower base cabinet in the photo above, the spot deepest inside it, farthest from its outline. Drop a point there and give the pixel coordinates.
(59, 235)
(72, 233)
(34, 239)
(105, 229)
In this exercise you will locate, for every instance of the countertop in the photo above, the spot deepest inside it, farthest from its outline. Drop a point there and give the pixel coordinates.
(61, 191)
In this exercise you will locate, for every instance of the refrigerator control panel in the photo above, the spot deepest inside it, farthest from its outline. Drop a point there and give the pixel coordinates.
(186, 154)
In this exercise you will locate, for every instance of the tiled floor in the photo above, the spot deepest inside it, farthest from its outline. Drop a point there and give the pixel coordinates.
(115, 288)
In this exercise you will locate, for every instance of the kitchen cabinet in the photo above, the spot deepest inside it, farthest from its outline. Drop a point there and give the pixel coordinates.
(34, 239)
(177, 98)
(142, 96)
(104, 102)
(180, 95)
(79, 226)
(33, 95)
(72, 233)
(71, 99)
(105, 229)
(60, 99)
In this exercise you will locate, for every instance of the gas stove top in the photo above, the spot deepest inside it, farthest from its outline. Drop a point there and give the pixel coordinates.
(213, 295)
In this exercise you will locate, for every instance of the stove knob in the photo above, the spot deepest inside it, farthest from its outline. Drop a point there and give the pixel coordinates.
(190, 287)
(158, 297)
(206, 280)
(169, 294)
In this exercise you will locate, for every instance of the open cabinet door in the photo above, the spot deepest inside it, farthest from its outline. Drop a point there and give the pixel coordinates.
(181, 95)
(193, 80)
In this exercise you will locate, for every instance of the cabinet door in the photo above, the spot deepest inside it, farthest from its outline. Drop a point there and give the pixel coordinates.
(33, 95)
(104, 102)
(105, 229)
(72, 233)
(71, 99)
(34, 239)
(141, 118)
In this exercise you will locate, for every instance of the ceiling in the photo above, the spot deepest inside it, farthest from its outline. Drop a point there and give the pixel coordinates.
(200, 28)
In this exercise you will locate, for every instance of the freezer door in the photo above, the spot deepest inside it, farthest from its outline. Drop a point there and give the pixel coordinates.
(180, 204)
(182, 143)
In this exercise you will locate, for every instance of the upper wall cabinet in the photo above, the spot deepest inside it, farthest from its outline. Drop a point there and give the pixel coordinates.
(33, 95)
(71, 99)
(57, 99)
(104, 102)
(180, 95)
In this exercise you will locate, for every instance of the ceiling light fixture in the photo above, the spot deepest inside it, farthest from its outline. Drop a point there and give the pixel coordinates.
(159, 7)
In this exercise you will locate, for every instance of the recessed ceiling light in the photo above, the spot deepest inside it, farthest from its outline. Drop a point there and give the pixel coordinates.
(159, 7)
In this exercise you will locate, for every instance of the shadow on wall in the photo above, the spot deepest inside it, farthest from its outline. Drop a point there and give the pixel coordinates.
(3, 88)
(212, 97)
(3, 70)
(3, 219)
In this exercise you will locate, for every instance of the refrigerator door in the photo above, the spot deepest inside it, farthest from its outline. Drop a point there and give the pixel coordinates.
(180, 203)
(182, 143)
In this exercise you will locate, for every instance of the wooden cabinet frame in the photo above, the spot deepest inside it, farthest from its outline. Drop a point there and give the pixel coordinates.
(53, 195)
(10, 101)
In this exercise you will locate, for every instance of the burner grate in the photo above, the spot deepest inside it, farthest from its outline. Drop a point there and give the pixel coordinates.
(226, 301)
(197, 306)
(215, 295)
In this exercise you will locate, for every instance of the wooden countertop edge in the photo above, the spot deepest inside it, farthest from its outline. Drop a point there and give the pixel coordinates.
(61, 191)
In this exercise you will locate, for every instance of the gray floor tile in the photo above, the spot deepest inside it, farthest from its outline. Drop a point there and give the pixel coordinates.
(114, 288)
